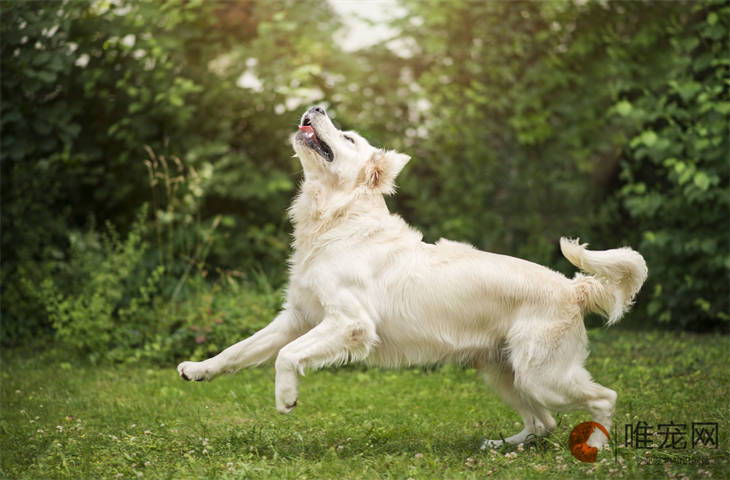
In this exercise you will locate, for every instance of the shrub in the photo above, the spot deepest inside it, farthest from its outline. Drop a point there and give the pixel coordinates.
(208, 317)
(119, 299)
(674, 173)
(86, 85)
(103, 284)
(113, 301)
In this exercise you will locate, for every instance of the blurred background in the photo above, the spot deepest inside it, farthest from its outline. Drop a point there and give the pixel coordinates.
(146, 167)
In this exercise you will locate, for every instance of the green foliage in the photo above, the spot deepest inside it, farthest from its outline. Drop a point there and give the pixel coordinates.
(110, 301)
(118, 299)
(674, 174)
(97, 309)
(607, 121)
(526, 121)
(86, 87)
(208, 318)
(518, 146)
(177, 192)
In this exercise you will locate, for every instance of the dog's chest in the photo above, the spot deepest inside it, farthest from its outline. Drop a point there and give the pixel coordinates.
(339, 276)
(314, 283)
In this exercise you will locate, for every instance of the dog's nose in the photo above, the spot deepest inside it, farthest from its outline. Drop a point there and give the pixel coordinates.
(307, 117)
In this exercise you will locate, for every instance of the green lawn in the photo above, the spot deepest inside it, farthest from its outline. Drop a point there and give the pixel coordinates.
(66, 420)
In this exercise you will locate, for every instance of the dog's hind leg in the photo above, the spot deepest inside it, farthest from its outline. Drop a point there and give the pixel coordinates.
(556, 380)
(254, 350)
(574, 391)
(336, 340)
(537, 420)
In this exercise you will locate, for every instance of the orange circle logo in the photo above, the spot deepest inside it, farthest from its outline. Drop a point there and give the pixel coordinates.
(578, 441)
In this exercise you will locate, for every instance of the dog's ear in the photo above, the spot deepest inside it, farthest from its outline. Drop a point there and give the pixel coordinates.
(382, 168)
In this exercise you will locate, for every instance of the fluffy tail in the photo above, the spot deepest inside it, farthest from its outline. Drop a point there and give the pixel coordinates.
(616, 277)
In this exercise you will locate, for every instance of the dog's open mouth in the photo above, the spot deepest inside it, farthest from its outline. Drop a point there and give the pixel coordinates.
(314, 142)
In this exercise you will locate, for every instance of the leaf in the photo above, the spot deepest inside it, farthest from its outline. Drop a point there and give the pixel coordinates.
(722, 107)
(41, 59)
(701, 180)
(686, 90)
(647, 137)
(623, 108)
(46, 76)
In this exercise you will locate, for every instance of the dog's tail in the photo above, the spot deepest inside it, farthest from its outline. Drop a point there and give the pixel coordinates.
(616, 277)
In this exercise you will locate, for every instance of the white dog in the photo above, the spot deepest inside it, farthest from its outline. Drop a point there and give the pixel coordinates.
(364, 286)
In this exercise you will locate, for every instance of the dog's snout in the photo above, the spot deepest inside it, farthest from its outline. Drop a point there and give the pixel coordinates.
(307, 117)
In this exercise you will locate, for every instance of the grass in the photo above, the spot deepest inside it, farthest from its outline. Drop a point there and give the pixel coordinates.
(63, 420)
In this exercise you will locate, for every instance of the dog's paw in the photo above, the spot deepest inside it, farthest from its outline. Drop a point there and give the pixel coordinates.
(284, 408)
(286, 399)
(194, 371)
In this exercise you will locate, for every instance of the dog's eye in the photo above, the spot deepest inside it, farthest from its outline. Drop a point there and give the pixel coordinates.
(349, 139)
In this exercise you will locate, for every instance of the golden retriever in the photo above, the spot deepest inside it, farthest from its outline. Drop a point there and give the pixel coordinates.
(364, 286)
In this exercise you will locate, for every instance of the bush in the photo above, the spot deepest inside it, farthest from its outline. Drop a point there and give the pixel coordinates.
(87, 85)
(97, 304)
(605, 120)
(113, 301)
(674, 175)
(150, 295)
(526, 121)
(208, 317)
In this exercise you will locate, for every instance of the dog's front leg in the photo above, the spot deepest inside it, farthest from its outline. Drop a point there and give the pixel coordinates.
(254, 350)
(336, 340)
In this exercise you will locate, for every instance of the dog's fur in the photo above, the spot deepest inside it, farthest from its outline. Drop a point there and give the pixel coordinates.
(364, 286)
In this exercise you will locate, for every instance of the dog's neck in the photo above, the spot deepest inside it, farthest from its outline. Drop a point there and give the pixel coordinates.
(320, 208)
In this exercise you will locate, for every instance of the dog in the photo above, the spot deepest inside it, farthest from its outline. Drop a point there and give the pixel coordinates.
(363, 286)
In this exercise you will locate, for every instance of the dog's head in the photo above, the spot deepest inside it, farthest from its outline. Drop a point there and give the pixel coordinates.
(344, 160)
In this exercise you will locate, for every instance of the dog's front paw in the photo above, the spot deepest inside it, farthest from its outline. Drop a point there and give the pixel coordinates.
(195, 371)
(286, 399)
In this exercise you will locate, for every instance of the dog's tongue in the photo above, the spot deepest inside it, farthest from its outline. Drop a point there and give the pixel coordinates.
(308, 132)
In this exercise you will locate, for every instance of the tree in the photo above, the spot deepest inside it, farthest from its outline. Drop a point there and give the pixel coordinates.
(674, 174)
